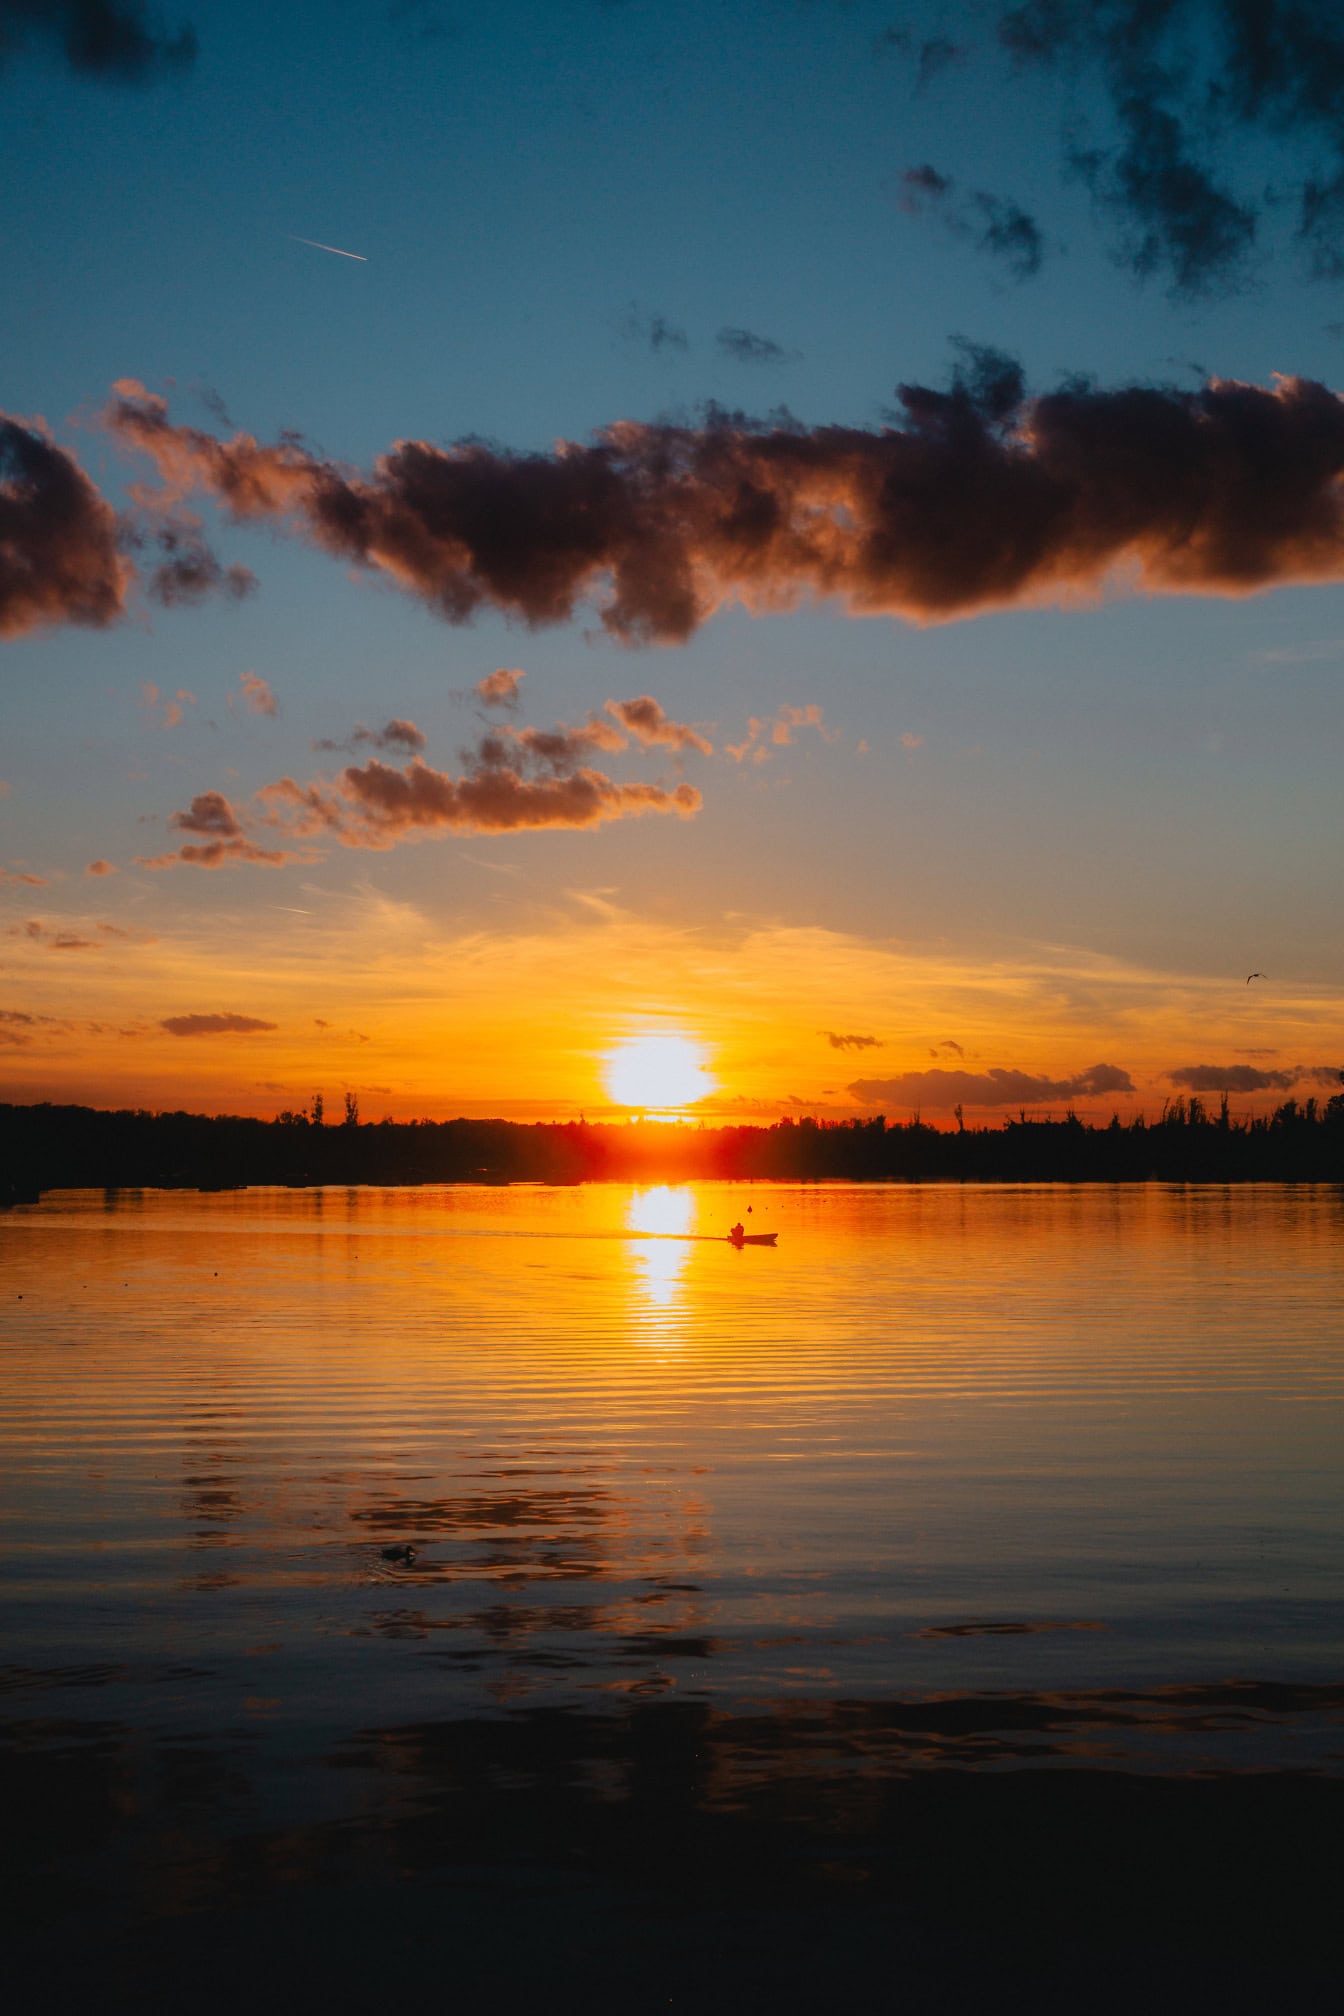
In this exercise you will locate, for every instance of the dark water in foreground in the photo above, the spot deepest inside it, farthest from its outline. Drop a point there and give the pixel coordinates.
(944, 1608)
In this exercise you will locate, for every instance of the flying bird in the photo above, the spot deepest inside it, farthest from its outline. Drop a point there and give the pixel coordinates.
(318, 246)
(1255, 976)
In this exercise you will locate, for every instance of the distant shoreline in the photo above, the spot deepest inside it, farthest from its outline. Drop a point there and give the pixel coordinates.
(47, 1147)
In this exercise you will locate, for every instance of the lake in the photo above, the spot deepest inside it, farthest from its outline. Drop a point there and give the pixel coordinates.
(523, 1593)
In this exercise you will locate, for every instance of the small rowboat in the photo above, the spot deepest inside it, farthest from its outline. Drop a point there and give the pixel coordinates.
(751, 1238)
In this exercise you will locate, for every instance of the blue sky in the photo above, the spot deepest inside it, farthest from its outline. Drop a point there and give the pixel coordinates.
(577, 214)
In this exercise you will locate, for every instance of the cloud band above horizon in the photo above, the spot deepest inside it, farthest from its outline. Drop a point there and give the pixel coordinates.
(982, 498)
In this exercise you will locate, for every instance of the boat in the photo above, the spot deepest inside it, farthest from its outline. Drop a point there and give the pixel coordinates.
(751, 1238)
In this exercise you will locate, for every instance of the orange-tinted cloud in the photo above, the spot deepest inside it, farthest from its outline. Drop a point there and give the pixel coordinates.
(100, 868)
(647, 722)
(376, 805)
(996, 1087)
(222, 843)
(763, 736)
(838, 1041)
(500, 687)
(18, 878)
(214, 1025)
(257, 694)
(155, 702)
(980, 498)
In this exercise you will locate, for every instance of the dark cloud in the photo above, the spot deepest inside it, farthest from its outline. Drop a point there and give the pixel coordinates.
(839, 1042)
(639, 326)
(60, 558)
(1175, 217)
(1183, 79)
(214, 1025)
(401, 737)
(112, 39)
(981, 498)
(213, 403)
(997, 1087)
(189, 571)
(930, 56)
(993, 224)
(745, 347)
(1249, 1078)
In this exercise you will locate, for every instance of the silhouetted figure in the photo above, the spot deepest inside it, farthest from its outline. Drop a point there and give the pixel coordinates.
(403, 1554)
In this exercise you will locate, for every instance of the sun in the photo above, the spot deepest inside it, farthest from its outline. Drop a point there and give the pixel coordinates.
(658, 1072)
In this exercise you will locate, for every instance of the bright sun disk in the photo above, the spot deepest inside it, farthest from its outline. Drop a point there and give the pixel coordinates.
(657, 1071)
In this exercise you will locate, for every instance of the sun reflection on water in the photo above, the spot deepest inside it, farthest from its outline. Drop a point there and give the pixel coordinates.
(665, 1214)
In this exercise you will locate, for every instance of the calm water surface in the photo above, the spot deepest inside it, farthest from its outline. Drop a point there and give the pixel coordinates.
(953, 1479)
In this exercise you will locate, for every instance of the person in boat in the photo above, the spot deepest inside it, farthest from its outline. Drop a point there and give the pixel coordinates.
(739, 1231)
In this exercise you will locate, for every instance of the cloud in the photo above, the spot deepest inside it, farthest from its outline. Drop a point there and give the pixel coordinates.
(43, 934)
(189, 570)
(108, 39)
(997, 1087)
(949, 1044)
(19, 878)
(1184, 80)
(648, 723)
(403, 737)
(993, 224)
(100, 868)
(638, 325)
(214, 1025)
(838, 1042)
(500, 687)
(257, 694)
(377, 806)
(59, 548)
(745, 347)
(223, 841)
(931, 57)
(1248, 1078)
(909, 741)
(763, 736)
(1176, 216)
(981, 499)
(155, 702)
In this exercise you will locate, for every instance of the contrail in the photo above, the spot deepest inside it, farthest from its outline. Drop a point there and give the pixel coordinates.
(318, 246)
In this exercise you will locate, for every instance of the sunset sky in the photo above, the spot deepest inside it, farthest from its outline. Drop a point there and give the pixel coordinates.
(807, 531)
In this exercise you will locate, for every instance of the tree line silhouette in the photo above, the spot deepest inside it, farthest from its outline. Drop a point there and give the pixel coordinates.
(48, 1147)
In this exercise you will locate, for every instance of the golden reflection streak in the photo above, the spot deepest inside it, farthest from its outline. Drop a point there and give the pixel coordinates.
(667, 1213)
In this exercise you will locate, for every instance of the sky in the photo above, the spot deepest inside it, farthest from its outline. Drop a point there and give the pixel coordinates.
(740, 556)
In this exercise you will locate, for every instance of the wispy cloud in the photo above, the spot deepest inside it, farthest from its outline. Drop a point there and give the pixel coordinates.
(258, 696)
